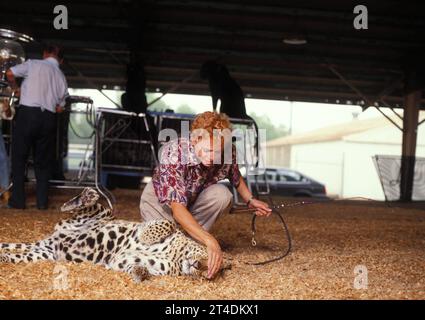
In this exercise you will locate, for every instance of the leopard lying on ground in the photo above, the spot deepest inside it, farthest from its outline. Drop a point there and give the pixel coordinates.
(93, 235)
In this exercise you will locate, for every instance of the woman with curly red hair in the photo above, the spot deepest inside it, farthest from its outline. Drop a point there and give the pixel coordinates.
(184, 185)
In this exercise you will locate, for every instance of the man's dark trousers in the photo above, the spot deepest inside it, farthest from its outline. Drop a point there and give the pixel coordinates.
(36, 129)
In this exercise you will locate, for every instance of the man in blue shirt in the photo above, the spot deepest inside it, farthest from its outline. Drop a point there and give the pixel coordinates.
(43, 92)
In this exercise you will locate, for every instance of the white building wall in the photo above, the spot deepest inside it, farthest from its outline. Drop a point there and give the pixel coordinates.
(360, 175)
(322, 162)
(278, 156)
(346, 166)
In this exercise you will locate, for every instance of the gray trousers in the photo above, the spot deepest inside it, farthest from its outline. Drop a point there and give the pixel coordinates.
(210, 203)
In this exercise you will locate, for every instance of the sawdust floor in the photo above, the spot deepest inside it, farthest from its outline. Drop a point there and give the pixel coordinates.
(329, 241)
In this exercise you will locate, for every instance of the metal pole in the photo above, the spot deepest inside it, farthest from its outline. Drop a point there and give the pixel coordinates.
(173, 88)
(92, 84)
(291, 115)
(360, 94)
(410, 126)
(97, 161)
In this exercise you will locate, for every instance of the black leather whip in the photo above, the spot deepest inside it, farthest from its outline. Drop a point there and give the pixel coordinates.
(275, 210)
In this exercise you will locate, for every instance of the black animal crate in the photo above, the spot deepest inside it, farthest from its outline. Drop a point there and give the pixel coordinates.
(125, 142)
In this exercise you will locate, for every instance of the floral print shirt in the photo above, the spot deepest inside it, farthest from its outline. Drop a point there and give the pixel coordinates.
(180, 177)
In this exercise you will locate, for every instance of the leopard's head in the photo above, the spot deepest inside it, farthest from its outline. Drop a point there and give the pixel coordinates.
(196, 267)
(87, 198)
(196, 263)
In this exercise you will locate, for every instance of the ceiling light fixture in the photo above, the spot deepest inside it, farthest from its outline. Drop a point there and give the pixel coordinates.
(294, 40)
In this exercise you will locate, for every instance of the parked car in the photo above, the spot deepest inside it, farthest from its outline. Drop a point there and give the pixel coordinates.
(289, 183)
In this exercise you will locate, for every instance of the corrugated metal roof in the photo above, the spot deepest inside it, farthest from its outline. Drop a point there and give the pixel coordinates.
(174, 38)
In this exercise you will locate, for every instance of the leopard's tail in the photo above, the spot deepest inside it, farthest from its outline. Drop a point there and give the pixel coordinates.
(17, 246)
(26, 252)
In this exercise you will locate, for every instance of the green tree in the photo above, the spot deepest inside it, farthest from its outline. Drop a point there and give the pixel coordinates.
(272, 131)
(184, 108)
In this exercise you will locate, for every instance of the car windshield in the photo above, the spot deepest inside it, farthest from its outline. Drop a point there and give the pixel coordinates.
(282, 176)
(291, 176)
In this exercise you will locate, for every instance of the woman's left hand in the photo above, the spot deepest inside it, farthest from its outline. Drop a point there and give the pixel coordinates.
(262, 207)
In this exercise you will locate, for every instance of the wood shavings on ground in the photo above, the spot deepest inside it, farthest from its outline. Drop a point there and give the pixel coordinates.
(329, 241)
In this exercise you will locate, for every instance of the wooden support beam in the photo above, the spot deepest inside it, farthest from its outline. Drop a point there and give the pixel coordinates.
(408, 158)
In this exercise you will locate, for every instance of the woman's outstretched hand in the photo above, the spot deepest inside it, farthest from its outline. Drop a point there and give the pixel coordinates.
(262, 207)
(215, 257)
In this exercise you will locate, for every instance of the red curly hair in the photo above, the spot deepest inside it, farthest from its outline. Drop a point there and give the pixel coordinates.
(213, 123)
(211, 120)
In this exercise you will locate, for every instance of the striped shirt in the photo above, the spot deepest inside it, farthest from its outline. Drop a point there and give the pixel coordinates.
(44, 84)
